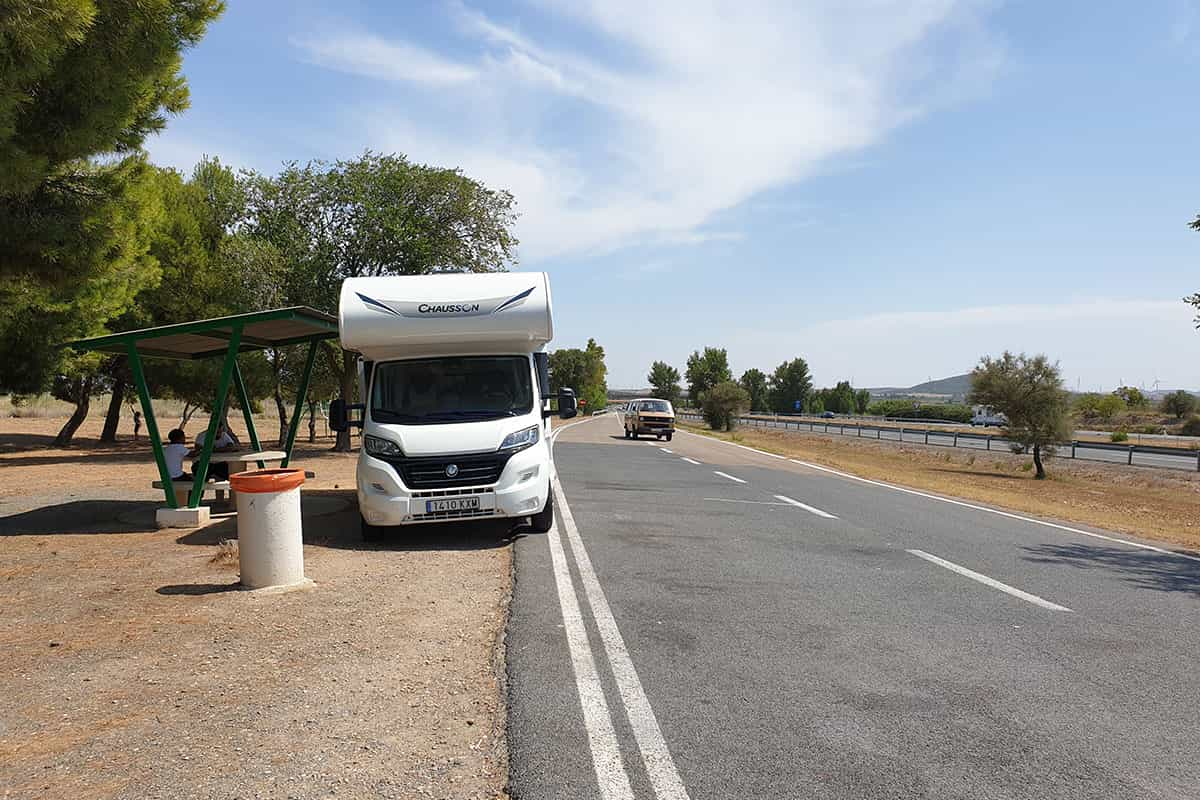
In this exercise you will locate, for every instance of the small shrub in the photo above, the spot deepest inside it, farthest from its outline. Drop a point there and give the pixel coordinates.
(1191, 427)
(723, 403)
(1119, 436)
(226, 555)
(1154, 429)
(1026, 466)
(1017, 448)
(971, 461)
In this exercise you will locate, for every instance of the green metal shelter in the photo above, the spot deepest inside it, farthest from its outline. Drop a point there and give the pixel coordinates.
(209, 338)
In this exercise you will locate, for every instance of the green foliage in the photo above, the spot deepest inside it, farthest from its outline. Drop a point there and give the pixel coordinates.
(1110, 406)
(841, 399)
(665, 380)
(862, 399)
(1179, 404)
(1133, 397)
(1191, 427)
(755, 382)
(705, 370)
(907, 409)
(79, 78)
(105, 244)
(581, 370)
(790, 382)
(1118, 436)
(1028, 391)
(722, 403)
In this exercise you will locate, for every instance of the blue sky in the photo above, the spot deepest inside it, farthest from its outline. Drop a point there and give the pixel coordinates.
(890, 190)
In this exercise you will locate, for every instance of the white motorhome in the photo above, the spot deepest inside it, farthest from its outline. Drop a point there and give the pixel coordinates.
(456, 397)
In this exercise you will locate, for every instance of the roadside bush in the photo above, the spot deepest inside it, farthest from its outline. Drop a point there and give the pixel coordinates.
(722, 403)
(1119, 436)
(1149, 429)
(1179, 404)
(955, 412)
(1191, 427)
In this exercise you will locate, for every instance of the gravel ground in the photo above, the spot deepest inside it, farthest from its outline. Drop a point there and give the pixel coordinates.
(131, 667)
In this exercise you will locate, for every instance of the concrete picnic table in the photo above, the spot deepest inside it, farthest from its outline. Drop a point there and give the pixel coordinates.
(241, 461)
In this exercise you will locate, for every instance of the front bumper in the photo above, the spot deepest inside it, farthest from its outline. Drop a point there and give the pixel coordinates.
(383, 499)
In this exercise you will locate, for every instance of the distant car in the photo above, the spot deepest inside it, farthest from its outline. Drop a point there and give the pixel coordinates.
(828, 415)
(654, 417)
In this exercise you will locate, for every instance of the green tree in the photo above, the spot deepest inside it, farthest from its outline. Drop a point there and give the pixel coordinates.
(1109, 407)
(790, 382)
(376, 215)
(1028, 391)
(705, 370)
(862, 399)
(1133, 396)
(722, 403)
(1179, 404)
(754, 381)
(581, 370)
(665, 380)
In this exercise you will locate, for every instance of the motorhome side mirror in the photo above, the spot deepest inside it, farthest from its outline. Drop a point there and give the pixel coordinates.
(339, 418)
(567, 405)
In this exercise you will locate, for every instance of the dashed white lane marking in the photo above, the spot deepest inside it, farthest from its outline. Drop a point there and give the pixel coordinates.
(805, 506)
(986, 581)
(660, 767)
(972, 506)
(602, 739)
(665, 450)
(690, 461)
(747, 502)
(726, 475)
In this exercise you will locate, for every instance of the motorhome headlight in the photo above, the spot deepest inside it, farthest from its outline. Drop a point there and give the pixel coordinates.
(378, 446)
(519, 440)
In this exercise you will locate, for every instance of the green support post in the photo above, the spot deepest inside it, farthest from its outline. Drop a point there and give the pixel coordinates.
(139, 378)
(218, 404)
(301, 393)
(244, 402)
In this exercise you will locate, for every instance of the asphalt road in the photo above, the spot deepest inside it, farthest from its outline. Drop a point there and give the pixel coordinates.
(1183, 459)
(712, 622)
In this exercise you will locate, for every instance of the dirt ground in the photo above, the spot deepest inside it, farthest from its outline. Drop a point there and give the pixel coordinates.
(131, 666)
(1152, 503)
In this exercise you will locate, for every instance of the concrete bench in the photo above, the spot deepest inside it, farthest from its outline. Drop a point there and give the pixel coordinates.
(184, 488)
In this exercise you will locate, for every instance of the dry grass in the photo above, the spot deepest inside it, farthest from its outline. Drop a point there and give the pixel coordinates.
(1151, 503)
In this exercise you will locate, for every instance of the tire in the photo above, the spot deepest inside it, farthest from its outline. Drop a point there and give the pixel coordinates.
(371, 533)
(541, 521)
(627, 433)
(669, 435)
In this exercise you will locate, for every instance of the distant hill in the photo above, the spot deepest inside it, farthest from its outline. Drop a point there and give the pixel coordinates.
(956, 386)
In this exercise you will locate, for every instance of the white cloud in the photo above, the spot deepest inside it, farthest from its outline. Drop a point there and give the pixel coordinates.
(656, 116)
(1099, 343)
(372, 57)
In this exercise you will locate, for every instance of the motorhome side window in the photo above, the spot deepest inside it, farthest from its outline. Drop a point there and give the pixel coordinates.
(457, 389)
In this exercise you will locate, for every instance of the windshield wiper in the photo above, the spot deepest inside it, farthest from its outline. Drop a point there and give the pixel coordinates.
(383, 415)
(471, 414)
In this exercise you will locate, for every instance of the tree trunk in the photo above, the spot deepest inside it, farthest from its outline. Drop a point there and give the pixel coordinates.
(312, 421)
(83, 401)
(342, 445)
(1037, 462)
(113, 418)
(281, 410)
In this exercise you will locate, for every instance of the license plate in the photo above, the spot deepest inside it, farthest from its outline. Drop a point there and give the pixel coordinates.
(452, 504)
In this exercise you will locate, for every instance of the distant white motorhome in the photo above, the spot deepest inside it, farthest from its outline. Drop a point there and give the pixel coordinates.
(987, 416)
(456, 397)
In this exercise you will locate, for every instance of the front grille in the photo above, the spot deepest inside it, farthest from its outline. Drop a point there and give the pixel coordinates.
(649, 422)
(481, 469)
(481, 512)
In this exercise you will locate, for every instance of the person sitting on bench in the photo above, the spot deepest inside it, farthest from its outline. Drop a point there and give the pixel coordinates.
(174, 454)
(224, 442)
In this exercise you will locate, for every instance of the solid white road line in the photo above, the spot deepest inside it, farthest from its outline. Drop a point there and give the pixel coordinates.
(690, 461)
(665, 450)
(986, 581)
(660, 767)
(940, 499)
(606, 752)
(725, 475)
(748, 502)
(805, 506)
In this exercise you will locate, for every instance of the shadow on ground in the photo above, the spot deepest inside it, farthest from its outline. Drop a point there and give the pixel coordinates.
(82, 516)
(1164, 572)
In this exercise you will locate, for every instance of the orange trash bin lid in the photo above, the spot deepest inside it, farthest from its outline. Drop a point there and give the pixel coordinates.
(262, 481)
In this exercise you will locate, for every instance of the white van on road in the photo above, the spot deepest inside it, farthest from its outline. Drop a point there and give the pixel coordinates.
(454, 377)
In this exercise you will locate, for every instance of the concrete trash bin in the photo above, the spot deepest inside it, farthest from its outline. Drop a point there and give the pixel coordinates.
(270, 537)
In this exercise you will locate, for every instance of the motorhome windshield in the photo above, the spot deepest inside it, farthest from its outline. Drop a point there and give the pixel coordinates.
(460, 389)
